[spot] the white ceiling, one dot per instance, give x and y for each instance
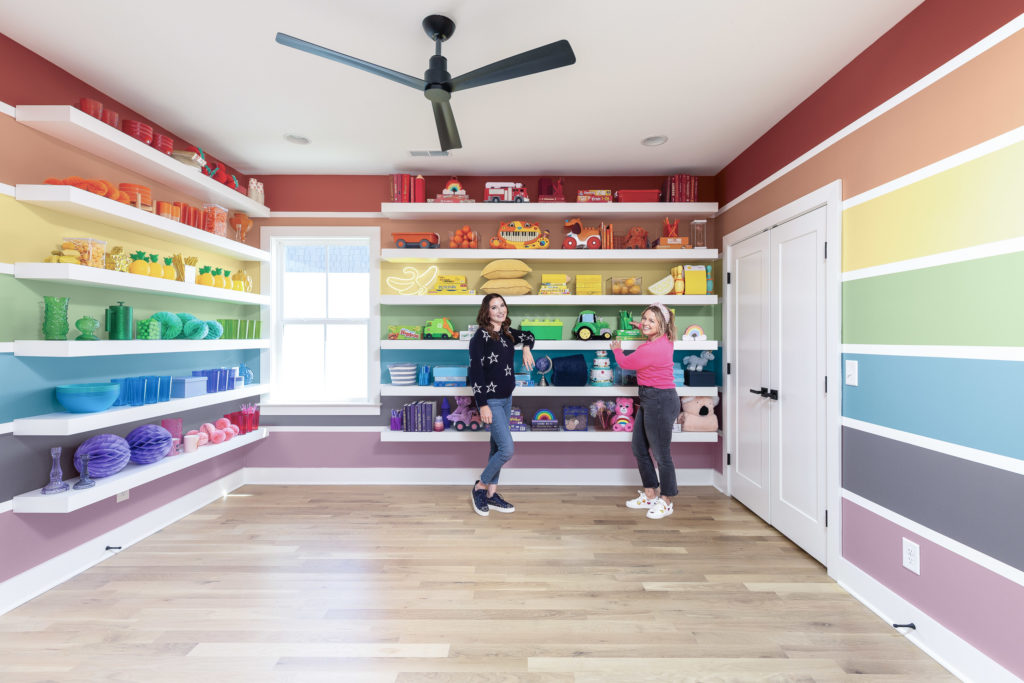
(712, 75)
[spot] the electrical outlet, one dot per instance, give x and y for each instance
(123, 495)
(851, 373)
(911, 556)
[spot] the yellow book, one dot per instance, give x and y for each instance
(695, 279)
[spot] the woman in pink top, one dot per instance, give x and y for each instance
(656, 411)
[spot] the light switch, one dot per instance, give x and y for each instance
(851, 373)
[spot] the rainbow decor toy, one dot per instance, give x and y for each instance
(694, 333)
(544, 421)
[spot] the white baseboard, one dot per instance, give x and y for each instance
(41, 578)
(460, 476)
(961, 659)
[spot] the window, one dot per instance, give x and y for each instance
(324, 317)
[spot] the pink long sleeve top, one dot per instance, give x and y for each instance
(652, 361)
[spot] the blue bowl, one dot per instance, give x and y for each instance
(87, 398)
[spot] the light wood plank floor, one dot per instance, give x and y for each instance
(336, 583)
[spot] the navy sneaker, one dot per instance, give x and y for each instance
(499, 504)
(479, 500)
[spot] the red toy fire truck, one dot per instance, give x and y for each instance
(505, 192)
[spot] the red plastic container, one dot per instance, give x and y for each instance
(91, 107)
(637, 195)
(111, 118)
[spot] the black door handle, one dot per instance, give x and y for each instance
(762, 392)
(774, 394)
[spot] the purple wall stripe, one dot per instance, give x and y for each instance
(365, 449)
(981, 607)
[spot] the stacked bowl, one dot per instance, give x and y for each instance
(163, 143)
(87, 398)
(402, 373)
(138, 130)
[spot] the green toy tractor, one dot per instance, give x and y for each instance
(589, 326)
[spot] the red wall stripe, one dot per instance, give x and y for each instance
(924, 40)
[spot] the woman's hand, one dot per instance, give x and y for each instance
(527, 358)
(615, 344)
(485, 415)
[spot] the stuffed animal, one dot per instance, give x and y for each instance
(623, 415)
(699, 414)
(697, 363)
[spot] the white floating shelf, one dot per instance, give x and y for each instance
(76, 202)
(131, 476)
(6, 269)
(549, 300)
(550, 391)
(111, 279)
(89, 134)
(542, 345)
(499, 210)
(6, 347)
(520, 437)
(110, 347)
(607, 255)
(64, 424)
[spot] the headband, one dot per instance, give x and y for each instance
(664, 311)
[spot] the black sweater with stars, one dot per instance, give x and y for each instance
(491, 364)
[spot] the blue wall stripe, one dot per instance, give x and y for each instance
(971, 402)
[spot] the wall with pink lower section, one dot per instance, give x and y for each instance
(32, 539)
(981, 607)
(365, 449)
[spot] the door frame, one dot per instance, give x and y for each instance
(831, 198)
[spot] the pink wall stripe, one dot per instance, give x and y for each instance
(981, 607)
(365, 449)
(31, 539)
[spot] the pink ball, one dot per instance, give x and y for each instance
(208, 428)
(228, 434)
(234, 429)
(217, 436)
(204, 438)
(222, 423)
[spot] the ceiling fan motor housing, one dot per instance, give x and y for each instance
(438, 80)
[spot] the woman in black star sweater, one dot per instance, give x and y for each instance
(492, 378)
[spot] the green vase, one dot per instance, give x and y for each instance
(55, 318)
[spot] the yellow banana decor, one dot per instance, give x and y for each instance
(412, 282)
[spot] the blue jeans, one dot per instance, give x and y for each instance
(656, 410)
(501, 439)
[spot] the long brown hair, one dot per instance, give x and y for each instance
(483, 317)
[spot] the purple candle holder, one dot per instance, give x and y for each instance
(57, 483)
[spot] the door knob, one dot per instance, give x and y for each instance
(762, 392)
(774, 394)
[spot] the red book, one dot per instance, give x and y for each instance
(419, 189)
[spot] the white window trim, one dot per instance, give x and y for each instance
(267, 275)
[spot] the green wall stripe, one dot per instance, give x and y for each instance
(971, 303)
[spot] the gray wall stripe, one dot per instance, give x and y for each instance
(974, 504)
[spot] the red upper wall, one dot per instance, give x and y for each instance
(935, 32)
(27, 78)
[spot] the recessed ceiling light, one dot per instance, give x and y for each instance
(297, 139)
(654, 140)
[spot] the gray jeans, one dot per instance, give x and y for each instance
(656, 410)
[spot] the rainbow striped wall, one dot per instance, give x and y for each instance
(932, 302)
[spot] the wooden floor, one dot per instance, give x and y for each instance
(332, 583)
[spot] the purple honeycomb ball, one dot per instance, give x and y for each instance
(148, 443)
(108, 454)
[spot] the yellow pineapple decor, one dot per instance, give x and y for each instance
(140, 263)
(170, 272)
(205, 277)
(155, 267)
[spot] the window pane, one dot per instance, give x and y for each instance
(349, 295)
(346, 371)
(301, 364)
(304, 282)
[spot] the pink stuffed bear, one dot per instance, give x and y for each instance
(623, 421)
(699, 414)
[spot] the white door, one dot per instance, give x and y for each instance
(750, 271)
(777, 316)
(798, 375)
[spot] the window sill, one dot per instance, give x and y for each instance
(319, 409)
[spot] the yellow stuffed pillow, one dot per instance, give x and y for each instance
(505, 268)
(506, 286)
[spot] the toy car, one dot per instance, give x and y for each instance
(423, 240)
(439, 328)
(505, 192)
(465, 416)
(589, 326)
(579, 237)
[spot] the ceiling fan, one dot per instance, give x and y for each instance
(437, 84)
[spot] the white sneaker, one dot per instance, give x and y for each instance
(659, 509)
(641, 502)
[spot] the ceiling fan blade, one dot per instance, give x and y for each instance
(313, 49)
(534, 61)
(447, 131)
